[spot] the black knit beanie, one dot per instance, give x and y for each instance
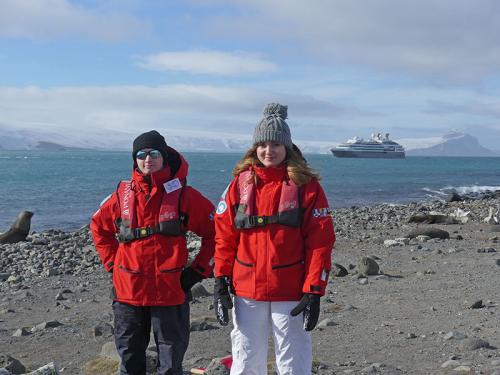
(151, 139)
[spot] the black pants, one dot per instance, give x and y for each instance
(132, 330)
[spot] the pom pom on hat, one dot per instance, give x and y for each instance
(273, 127)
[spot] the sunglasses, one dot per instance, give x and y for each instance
(153, 154)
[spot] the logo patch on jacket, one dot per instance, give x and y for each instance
(172, 185)
(221, 207)
(321, 212)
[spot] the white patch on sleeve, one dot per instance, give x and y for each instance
(324, 275)
(221, 207)
(212, 261)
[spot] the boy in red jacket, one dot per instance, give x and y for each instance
(139, 233)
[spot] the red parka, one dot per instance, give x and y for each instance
(275, 262)
(146, 272)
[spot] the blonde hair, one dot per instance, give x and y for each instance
(297, 168)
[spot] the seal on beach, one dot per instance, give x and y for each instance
(368, 266)
(19, 230)
(427, 231)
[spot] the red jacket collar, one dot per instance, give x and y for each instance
(268, 174)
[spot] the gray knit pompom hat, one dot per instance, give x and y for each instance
(273, 127)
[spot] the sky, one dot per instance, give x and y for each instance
(415, 69)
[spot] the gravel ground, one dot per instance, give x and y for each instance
(431, 309)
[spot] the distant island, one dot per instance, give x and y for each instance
(454, 144)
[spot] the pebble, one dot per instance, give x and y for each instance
(455, 335)
(462, 369)
(450, 363)
(328, 322)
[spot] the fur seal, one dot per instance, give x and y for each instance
(368, 266)
(19, 230)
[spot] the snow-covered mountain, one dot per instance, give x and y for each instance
(454, 143)
(183, 140)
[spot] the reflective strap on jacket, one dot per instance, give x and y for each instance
(289, 210)
(170, 221)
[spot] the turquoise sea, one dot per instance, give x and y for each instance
(64, 188)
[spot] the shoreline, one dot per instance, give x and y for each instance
(414, 316)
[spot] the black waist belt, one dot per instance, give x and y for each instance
(256, 220)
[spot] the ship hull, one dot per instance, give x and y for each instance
(368, 154)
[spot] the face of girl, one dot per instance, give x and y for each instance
(271, 154)
(149, 161)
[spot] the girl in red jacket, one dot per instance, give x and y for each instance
(139, 233)
(274, 239)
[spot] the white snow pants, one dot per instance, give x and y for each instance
(252, 321)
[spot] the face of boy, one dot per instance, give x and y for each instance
(271, 154)
(150, 164)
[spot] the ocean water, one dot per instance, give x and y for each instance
(63, 189)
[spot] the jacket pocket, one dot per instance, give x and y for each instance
(288, 265)
(287, 280)
(129, 270)
(244, 278)
(172, 270)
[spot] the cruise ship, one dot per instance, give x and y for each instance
(376, 147)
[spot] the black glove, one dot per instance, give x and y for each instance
(189, 277)
(222, 300)
(309, 304)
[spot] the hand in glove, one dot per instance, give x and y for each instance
(222, 300)
(189, 277)
(309, 304)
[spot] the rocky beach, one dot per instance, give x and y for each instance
(414, 290)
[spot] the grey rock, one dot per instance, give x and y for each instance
(455, 335)
(477, 304)
(103, 329)
(21, 332)
(363, 281)
(49, 369)
(11, 364)
(4, 276)
(328, 322)
(450, 363)
(339, 270)
(108, 350)
(199, 291)
(45, 325)
(474, 343)
(201, 324)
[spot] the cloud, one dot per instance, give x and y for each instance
(135, 108)
(48, 19)
(208, 62)
(450, 41)
(438, 107)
